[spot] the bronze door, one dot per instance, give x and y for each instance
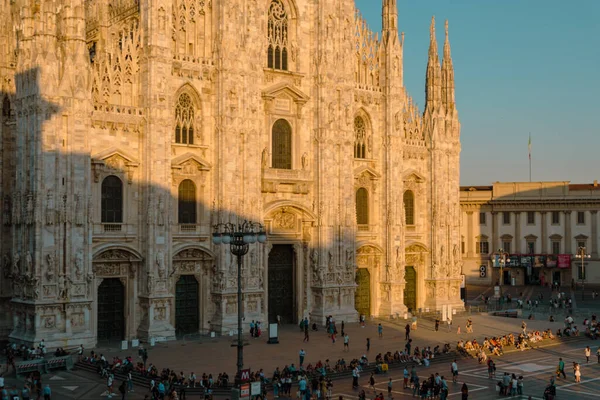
(410, 289)
(111, 310)
(187, 311)
(281, 284)
(362, 298)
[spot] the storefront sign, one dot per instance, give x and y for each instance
(551, 261)
(526, 261)
(539, 261)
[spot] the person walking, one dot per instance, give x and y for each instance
(406, 375)
(437, 324)
(47, 393)
(524, 327)
(416, 385)
(407, 330)
(520, 385)
(389, 386)
(372, 382)
(368, 344)
(464, 391)
(449, 324)
(306, 338)
(588, 353)
(355, 376)
(380, 331)
(561, 369)
(346, 342)
(301, 356)
(598, 354)
(454, 368)
(577, 373)
(123, 389)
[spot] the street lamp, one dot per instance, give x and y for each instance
(581, 253)
(239, 237)
(502, 260)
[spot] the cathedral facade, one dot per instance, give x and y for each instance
(130, 128)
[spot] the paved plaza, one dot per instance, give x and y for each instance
(215, 355)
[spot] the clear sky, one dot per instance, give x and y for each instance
(520, 67)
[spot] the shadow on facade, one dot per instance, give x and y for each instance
(92, 251)
(534, 230)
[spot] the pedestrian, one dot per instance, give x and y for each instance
(406, 375)
(123, 389)
(130, 381)
(513, 385)
(408, 346)
(561, 369)
(355, 376)
(464, 391)
(109, 385)
(301, 356)
(389, 385)
(407, 329)
(454, 368)
(380, 331)
(47, 393)
(437, 324)
(524, 327)
(347, 342)
(80, 353)
(343, 332)
(520, 385)
(577, 373)
(25, 393)
(449, 324)
(372, 382)
(368, 344)
(306, 338)
(588, 353)
(598, 354)
(458, 330)
(415, 383)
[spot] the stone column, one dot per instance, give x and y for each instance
(568, 238)
(594, 215)
(494, 231)
(544, 233)
(517, 232)
(470, 237)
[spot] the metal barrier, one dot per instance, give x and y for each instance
(25, 367)
(65, 362)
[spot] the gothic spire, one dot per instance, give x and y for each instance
(447, 75)
(390, 17)
(433, 78)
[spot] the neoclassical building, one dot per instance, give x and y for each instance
(131, 127)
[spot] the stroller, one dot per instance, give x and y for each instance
(550, 392)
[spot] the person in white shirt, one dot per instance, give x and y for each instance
(588, 353)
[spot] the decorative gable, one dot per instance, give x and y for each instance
(190, 164)
(113, 161)
(413, 176)
(365, 177)
(285, 98)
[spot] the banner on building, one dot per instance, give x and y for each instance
(564, 261)
(551, 261)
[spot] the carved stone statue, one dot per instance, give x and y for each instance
(50, 212)
(50, 267)
(28, 265)
(160, 263)
(90, 210)
(79, 215)
(161, 211)
(6, 211)
(29, 209)
(78, 270)
(330, 262)
(349, 260)
(265, 158)
(6, 265)
(434, 271)
(16, 208)
(305, 161)
(64, 284)
(15, 264)
(149, 280)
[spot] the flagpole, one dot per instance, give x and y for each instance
(529, 149)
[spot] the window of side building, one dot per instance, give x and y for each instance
(530, 247)
(555, 247)
(506, 246)
(580, 217)
(483, 247)
(530, 217)
(506, 218)
(482, 218)
(555, 218)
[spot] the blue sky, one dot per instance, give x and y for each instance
(521, 67)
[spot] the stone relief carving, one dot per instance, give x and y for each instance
(78, 264)
(305, 161)
(160, 220)
(64, 285)
(284, 220)
(28, 265)
(6, 265)
(112, 269)
(149, 282)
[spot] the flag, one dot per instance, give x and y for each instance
(529, 146)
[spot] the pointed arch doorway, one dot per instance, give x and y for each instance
(187, 311)
(362, 298)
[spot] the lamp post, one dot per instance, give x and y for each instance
(502, 260)
(581, 253)
(239, 237)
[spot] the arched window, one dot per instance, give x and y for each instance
(362, 207)
(112, 200)
(184, 120)
(187, 202)
(282, 145)
(360, 138)
(277, 33)
(409, 207)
